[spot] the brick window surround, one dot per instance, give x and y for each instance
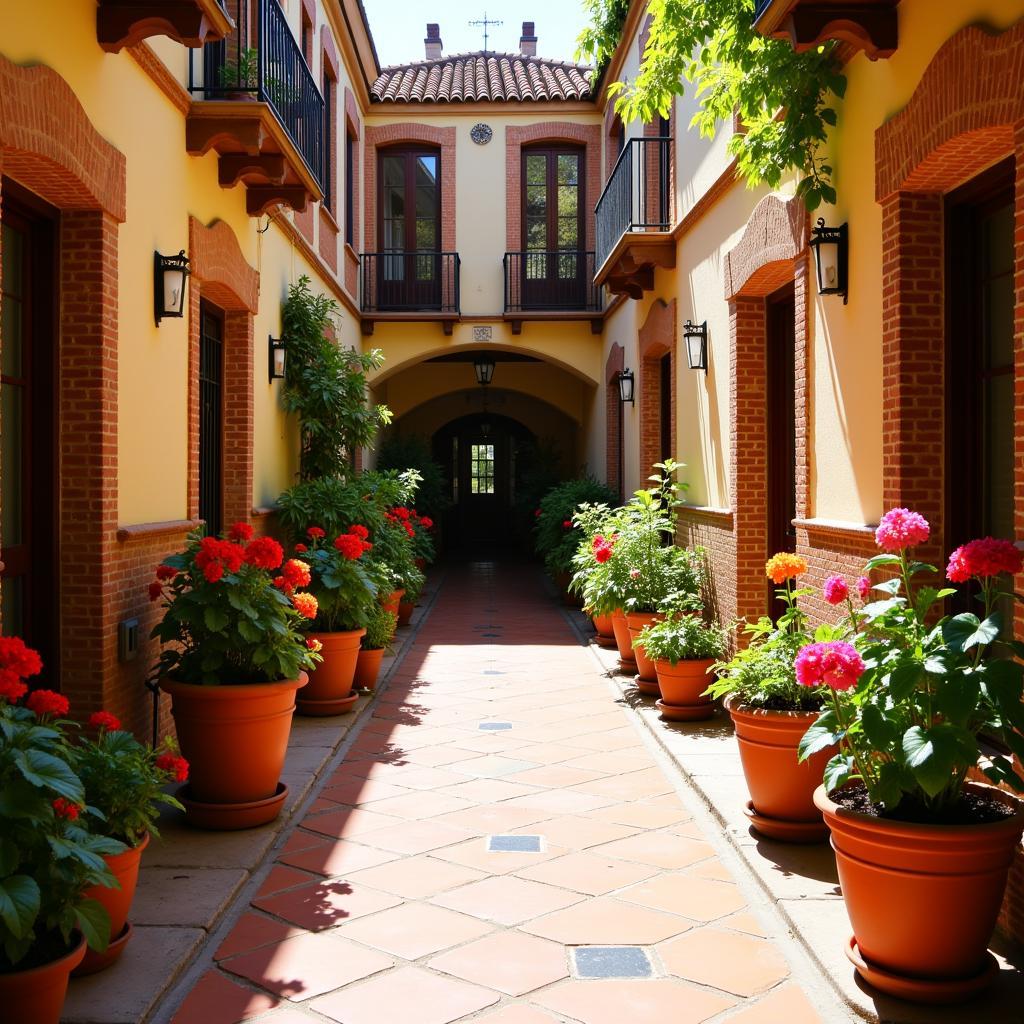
(49, 146)
(330, 214)
(771, 253)
(221, 275)
(613, 411)
(353, 132)
(410, 133)
(518, 136)
(656, 339)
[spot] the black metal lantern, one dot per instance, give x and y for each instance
(831, 247)
(276, 357)
(169, 273)
(626, 386)
(695, 336)
(483, 366)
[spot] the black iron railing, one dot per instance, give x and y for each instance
(261, 60)
(537, 281)
(409, 282)
(637, 196)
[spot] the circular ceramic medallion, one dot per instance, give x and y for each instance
(481, 133)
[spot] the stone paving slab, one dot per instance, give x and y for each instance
(445, 925)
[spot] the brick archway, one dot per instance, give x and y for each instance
(614, 365)
(954, 126)
(771, 253)
(49, 146)
(221, 275)
(655, 340)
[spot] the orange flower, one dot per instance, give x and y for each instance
(305, 605)
(784, 566)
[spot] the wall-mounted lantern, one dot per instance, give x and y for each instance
(695, 336)
(626, 386)
(831, 246)
(483, 367)
(276, 349)
(169, 273)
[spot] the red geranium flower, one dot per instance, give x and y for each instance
(315, 533)
(11, 686)
(166, 572)
(47, 702)
(306, 605)
(240, 532)
(300, 549)
(427, 523)
(296, 573)
(983, 558)
(351, 547)
(173, 765)
(156, 588)
(104, 720)
(359, 531)
(213, 572)
(313, 644)
(265, 553)
(566, 524)
(18, 657)
(66, 809)
(401, 512)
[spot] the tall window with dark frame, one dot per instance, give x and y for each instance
(554, 264)
(350, 168)
(328, 91)
(665, 407)
(211, 417)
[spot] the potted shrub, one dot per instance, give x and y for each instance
(124, 789)
(591, 520)
(422, 541)
(234, 654)
(49, 858)
(922, 851)
(684, 648)
(345, 592)
(601, 583)
(771, 712)
(380, 629)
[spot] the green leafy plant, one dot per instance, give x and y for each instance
(402, 452)
(380, 629)
(344, 585)
(684, 638)
(224, 619)
(242, 73)
(911, 696)
(556, 537)
(325, 385)
(783, 99)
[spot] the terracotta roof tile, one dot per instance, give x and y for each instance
(497, 77)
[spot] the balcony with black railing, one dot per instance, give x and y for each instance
(257, 104)
(868, 25)
(550, 285)
(403, 285)
(121, 23)
(634, 217)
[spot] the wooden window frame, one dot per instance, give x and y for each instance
(409, 152)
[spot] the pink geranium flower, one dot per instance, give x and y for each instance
(835, 590)
(835, 664)
(900, 528)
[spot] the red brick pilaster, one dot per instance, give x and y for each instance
(657, 338)
(238, 415)
(612, 415)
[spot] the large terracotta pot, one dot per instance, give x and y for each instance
(234, 737)
(624, 642)
(329, 691)
(603, 626)
(923, 899)
(391, 602)
(368, 668)
(125, 868)
(635, 621)
(781, 787)
(36, 995)
(682, 686)
(405, 610)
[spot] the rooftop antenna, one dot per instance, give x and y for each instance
(485, 21)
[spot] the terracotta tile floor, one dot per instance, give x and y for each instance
(386, 905)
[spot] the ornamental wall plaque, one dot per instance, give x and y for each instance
(481, 333)
(481, 133)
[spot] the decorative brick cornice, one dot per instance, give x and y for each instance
(217, 261)
(762, 260)
(330, 52)
(960, 117)
(48, 142)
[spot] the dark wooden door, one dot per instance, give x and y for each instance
(409, 267)
(211, 417)
(554, 265)
(29, 523)
(780, 313)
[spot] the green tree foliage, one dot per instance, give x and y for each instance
(783, 98)
(406, 451)
(326, 386)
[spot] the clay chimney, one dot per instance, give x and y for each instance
(433, 42)
(528, 40)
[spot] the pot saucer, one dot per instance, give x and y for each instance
(922, 990)
(647, 688)
(604, 641)
(684, 712)
(323, 708)
(232, 817)
(94, 962)
(786, 831)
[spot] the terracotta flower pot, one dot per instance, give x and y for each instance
(36, 995)
(923, 899)
(234, 737)
(329, 691)
(603, 625)
(781, 787)
(368, 668)
(682, 686)
(125, 868)
(391, 602)
(635, 622)
(624, 642)
(405, 610)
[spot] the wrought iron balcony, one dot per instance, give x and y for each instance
(634, 217)
(550, 281)
(401, 285)
(260, 108)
